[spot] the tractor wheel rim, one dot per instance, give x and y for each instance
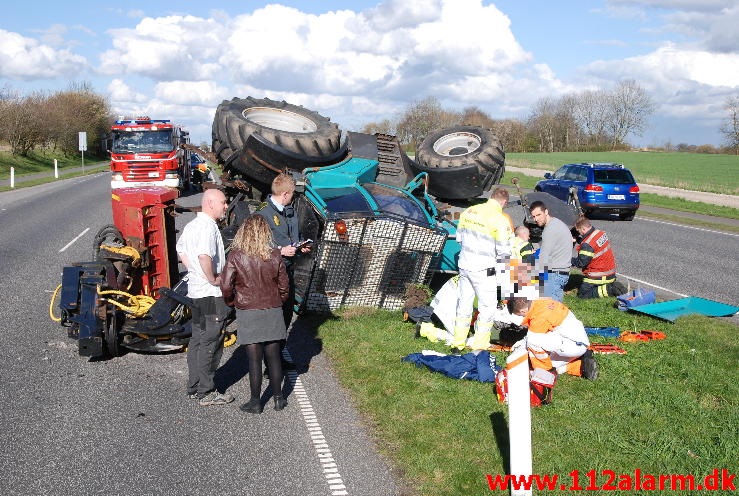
(280, 120)
(456, 144)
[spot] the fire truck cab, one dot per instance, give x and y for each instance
(147, 152)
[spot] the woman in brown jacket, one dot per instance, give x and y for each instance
(255, 282)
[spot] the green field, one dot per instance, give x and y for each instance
(701, 172)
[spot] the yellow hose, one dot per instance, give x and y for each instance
(51, 305)
(128, 251)
(138, 305)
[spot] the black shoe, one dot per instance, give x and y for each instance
(280, 403)
(588, 366)
(254, 405)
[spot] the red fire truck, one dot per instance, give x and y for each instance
(148, 152)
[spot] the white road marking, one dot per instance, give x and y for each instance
(328, 464)
(75, 239)
(652, 285)
(689, 227)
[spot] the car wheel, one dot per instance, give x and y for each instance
(462, 162)
(627, 216)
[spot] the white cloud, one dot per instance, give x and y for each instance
(122, 94)
(198, 93)
(165, 48)
(25, 58)
(683, 83)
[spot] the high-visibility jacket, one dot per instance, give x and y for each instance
(522, 250)
(595, 256)
(484, 233)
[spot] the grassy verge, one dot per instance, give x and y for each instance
(92, 169)
(39, 162)
(667, 406)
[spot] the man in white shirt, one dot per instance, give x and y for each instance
(201, 250)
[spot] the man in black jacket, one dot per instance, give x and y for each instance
(283, 221)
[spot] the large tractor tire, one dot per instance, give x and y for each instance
(295, 132)
(462, 162)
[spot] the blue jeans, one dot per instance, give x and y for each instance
(554, 285)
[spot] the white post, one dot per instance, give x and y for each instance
(519, 418)
(12, 177)
(56, 170)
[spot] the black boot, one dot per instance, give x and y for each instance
(254, 405)
(280, 402)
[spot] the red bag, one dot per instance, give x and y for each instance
(541, 386)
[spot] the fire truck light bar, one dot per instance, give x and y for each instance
(141, 121)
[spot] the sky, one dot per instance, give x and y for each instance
(365, 61)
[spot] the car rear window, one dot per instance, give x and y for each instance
(613, 176)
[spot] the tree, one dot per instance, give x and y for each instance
(418, 120)
(383, 127)
(512, 134)
(77, 109)
(628, 112)
(21, 121)
(730, 127)
(473, 116)
(590, 112)
(542, 123)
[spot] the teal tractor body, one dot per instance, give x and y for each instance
(372, 238)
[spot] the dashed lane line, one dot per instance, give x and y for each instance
(320, 445)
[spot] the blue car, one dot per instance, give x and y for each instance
(601, 187)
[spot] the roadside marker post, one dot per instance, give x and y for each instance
(83, 147)
(56, 169)
(519, 418)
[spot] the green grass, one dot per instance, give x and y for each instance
(40, 162)
(667, 406)
(702, 172)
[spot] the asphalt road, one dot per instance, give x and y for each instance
(124, 426)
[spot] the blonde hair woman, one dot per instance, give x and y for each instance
(255, 282)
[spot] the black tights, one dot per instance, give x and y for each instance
(270, 352)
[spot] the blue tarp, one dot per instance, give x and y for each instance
(606, 332)
(475, 366)
(671, 310)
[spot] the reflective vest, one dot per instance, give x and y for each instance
(597, 246)
(522, 250)
(484, 233)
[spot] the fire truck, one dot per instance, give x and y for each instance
(148, 152)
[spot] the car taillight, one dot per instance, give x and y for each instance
(634, 189)
(593, 187)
